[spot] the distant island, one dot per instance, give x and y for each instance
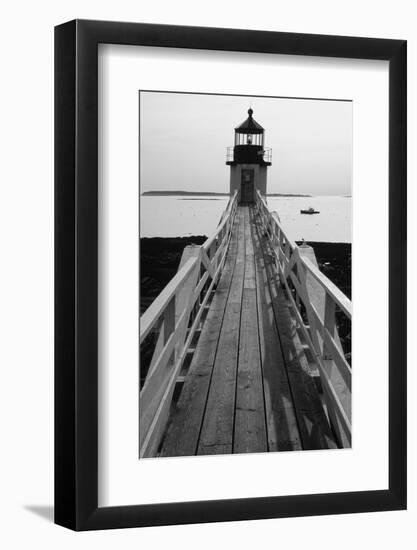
(170, 193)
(209, 194)
(285, 195)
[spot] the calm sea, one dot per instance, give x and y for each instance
(175, 216)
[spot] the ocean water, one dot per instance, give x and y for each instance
(178, 216)
(333, 224)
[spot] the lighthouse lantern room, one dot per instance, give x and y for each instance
(248, 160)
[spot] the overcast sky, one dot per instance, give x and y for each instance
(183, 141)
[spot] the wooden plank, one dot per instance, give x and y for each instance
(249, 428)
(183, 432)
(311, 420)
(217, 430)
(281, 421)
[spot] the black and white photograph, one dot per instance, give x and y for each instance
(208, 236)
(245, 274)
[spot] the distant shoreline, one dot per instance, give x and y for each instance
(207, 194)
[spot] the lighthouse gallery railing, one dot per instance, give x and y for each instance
(173, 319)
(265, 153)
(305, 284)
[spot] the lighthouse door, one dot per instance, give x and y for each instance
(247, 186)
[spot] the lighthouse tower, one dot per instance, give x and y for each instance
(248, 160)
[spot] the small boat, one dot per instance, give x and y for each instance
(309, 211)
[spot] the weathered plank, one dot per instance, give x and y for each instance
(312, 423)
(281, 421)
(217, 430)
(249, 429)
(183, 432)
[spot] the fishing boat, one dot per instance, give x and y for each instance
(309, 211)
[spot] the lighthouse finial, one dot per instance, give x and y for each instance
(250, 112)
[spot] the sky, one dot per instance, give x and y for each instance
(183, 141)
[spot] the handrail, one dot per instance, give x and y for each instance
(338, 296)
(266, 153)
(223, 220)
(158, 306)
(320, 331)
(173, 318)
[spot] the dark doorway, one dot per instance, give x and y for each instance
(247, 186)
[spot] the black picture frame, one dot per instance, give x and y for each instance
(76, 272)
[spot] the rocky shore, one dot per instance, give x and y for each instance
(159, 261)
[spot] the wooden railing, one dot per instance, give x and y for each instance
(314, 300)
(172, 320)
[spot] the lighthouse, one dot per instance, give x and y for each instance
(248, 160)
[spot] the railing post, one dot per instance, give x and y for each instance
(169, 319)
(329, 324)
(287, 250)
(169, 324)
(276, 230)
(212, 250)
(281, 249)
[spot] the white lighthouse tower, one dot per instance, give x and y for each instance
(248, 160)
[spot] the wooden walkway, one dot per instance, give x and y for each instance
(249, 386)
